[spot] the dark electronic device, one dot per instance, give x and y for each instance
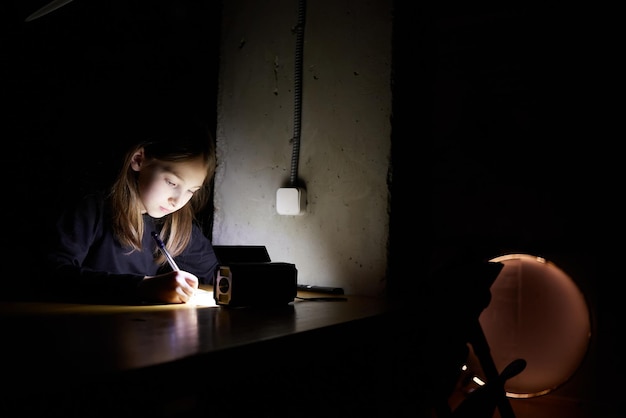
(246, 276)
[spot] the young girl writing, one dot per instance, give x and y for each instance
(102, 249)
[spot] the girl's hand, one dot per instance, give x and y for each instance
(173, 287)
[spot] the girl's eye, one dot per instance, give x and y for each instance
(170, 183)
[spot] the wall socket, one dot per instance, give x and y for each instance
(291, 201)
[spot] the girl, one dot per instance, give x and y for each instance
(102, 249)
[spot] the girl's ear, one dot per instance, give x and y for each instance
(137, 159)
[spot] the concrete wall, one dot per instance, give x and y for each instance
(341, 239)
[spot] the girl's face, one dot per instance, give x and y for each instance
(165, 187)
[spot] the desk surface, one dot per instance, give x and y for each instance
(96, 339)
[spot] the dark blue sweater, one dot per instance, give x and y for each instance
(85, 261)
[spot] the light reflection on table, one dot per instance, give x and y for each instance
(93, 339)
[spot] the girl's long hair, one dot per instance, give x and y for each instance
(126, 205)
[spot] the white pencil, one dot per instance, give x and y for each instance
(166, 253)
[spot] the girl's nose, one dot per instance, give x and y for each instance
(174, 200)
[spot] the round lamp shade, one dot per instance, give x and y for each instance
(537, 313)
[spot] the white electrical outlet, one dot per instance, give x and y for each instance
(290, 201)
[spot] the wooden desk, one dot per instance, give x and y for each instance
(140, 359)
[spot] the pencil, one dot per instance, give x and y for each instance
(166, 253)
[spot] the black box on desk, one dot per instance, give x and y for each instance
(247, 277)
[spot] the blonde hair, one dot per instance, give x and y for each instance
(127, 218)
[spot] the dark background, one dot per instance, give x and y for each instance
(504, 138)
(96, 73)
